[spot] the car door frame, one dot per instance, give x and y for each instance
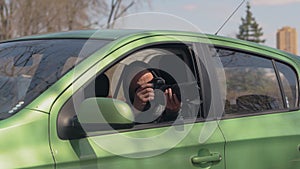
(63, 150)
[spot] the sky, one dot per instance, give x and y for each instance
(207, 16)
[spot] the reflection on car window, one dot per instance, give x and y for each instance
(27, 68)
(289, 84)
(252, 84)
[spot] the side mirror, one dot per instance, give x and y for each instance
(94, 116)
(102, 114)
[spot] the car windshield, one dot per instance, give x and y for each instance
(27, 68)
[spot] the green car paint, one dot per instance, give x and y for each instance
(30, 139)
(259, 135)
(25, 141)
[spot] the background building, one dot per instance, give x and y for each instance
(287, 39)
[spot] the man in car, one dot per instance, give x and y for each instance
(152, 104)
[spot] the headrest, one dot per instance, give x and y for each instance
(101, 86)
(256, 103)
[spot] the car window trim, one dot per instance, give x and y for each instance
(279, 81)
(268, 112)
(297, 79)
(203, 81)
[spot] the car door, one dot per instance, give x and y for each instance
(260, 124)
(189, 141)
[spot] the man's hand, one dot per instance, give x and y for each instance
(143, 95)
(173, 104)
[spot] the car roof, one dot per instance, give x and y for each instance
(85, 34)
(114, 34)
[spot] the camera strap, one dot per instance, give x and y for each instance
(153, 73)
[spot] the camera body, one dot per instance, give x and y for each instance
(160, 84)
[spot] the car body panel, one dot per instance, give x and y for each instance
(264, 141)
(24, 141)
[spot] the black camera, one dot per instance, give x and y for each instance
(184, 91)
(160, 83)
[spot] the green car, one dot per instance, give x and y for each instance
(76, 100)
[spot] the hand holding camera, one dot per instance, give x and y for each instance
(145, 87)
(171, 93)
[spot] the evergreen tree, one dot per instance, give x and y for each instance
(249, 29)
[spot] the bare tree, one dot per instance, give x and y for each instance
(28, 17)
(6, 16)
(111, 10)
(117, 9)
(38, 16)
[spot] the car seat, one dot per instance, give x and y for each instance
(256, 103)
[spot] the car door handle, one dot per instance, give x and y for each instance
(214, 157)
(205, 158)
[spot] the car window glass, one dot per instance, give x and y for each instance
(252, 85)
(289, 84)
(27, 68)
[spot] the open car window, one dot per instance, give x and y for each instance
(173, 64)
